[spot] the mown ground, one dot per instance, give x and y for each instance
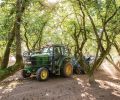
(57, 88)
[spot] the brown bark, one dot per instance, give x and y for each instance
(26, 38)
(39, 39)
(91, 79)
(17, 33)
(100, 49)
(79, 45)
(5, 59)
(20, 7)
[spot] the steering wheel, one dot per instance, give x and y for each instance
(26, 54)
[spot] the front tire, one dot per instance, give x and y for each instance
(42, 74)
(67, 70)
(25, 74)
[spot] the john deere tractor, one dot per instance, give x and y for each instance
(52, 59)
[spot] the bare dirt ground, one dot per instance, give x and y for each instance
(57, 88)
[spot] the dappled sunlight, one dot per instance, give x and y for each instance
(86, 94)
(79, 81)
(110, 85)
(85, 87)
(1, 87)
(103, 84)
(117, 93)
(10, 87)
(53, 49)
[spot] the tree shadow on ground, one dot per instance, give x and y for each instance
(58, 88)
(106, 88)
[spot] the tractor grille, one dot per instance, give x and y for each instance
(33, 61)
(40, 61)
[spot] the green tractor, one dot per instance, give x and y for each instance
(52, 59)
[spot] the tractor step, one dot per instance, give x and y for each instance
(57, 71)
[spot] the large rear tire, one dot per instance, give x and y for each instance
(67, 70)
(42, 74)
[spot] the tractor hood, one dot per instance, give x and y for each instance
(40, 55)
(40, 59)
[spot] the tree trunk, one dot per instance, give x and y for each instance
(19, 59)
(5, 59)
(15, 32)
(21, 4)
(91, 79)
(26, 38)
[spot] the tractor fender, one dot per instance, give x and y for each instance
(28, 69)
(63, 60)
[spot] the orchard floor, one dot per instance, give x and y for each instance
(77, 87)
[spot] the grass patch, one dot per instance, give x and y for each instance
(9, 71)
(4, 73)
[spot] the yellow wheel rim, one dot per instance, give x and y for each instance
(68, 69)
(44, 74)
